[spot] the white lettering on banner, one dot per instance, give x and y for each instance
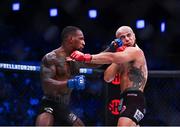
(19, 67)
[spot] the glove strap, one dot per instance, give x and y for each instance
(120, 49)
(88, 58)
(71, 83)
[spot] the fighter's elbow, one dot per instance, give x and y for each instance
(107, 79)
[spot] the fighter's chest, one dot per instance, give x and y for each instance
(66, 68)
(62, 67)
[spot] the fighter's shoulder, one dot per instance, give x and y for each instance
(135, 48)
(135, 51)
(49, 58)
(51, 55)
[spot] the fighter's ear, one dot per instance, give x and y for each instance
(70, 39)
(134, 37)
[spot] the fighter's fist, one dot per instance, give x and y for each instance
(78, 82)
(79, 56)
(115, 44)
(120, 49)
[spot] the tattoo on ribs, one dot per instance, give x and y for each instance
(136, 76)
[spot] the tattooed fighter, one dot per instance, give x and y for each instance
(130, 62)
(58, 79)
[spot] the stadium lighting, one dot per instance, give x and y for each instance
(140, 24)
(53, 12)
(92, 13)
(163, 27)
(16, 6)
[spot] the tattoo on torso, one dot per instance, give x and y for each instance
(136, 76)
(62, 67)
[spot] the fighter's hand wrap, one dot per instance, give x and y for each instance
(115, 44)
(78, 82)
(79, 56)
(120, 49)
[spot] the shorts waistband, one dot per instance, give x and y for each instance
(131, 90)
(58, 99)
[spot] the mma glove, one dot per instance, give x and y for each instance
(115, 44)
(79, 56)
(78, 82)
(120, 49)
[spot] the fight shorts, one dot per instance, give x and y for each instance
(60, 111)
(132, 105)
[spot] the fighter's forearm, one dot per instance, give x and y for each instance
(110, 72)
(103, 58)
(55, 83)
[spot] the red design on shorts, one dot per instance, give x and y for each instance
(113, 106)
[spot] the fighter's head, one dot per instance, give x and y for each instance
(73, 37)
(126, 34)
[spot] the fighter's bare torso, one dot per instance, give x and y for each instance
(54, 69)
(134, 74)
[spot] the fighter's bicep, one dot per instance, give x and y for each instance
(48, 68)
(125, 56)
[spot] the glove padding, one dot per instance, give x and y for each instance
(79, 56)
(78, 82)
(120, 49)
(115, 44)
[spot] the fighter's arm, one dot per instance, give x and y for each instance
(48, 73)
(128, 55)
(110, 72)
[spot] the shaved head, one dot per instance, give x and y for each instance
(127, 36)
(123, 29)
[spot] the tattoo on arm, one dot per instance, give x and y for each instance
(46, 72)
(137, 77)
(47, 68)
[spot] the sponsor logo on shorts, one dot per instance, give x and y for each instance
(48, 109)
(113, 106)
(138, 115)
(72, 117)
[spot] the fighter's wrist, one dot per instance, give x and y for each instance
(87, 58)
(71, 83)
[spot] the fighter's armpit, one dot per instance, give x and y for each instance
(48, 72)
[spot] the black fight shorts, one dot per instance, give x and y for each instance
(60, 111)
(132, 105)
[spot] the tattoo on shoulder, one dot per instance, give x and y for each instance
(49, 58)
(137, 77)
(48, 66)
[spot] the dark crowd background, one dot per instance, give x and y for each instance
(27, 35)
